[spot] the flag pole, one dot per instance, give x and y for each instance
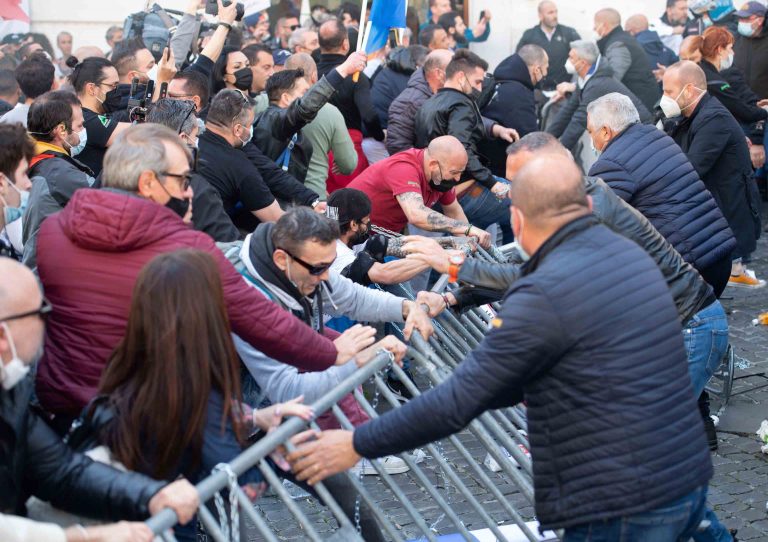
(361, 32)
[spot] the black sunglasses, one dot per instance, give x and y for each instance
(314, 270)
(43, 312)
(186, 176)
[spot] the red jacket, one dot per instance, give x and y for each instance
(89, 256)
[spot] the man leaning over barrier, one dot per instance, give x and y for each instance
(580, 352)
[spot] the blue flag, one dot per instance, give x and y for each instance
(385, 14)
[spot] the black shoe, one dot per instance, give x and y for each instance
(398, 388)
(709, 429)
(733, 534)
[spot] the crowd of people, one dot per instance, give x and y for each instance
(188, 238)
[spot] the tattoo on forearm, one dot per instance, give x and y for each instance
(395, 247)
(435, 221)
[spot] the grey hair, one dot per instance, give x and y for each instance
(586, 50)
(301, 224)
(138, 149)
(615, 111)
(532, 55)
(297, 37)
(178, 115)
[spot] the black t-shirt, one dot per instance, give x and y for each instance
(208, 214)
(99, 128)
(237, 180)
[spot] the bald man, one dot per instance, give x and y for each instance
(626, 57)
(401, 131)
(555, 39)
(404, 187)
(581, 352)
(35, 460)
(659, 55)
(715, 144)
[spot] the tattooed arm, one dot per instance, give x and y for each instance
(425, 218)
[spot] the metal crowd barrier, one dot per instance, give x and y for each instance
(500, 434)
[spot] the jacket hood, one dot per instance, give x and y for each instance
(513, 68)
(650, 41)
(115, 221)
(401, 60)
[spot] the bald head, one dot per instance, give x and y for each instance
(690, 49)
(687, 73)
(333, 37)
(545, 5)
(636, 24)
(303, 61)
(529, 146)
(445, 158)
(549, 191)
(608, 18)
(444, 147)
(437, 60)
(18, 289)
(88, 51)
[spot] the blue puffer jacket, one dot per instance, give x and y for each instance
(647, 169)
(613, 423)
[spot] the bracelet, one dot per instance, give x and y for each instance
(469, 228)
(445, 300)
(226, 25)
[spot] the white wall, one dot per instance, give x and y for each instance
(88, 20)
(512, 17)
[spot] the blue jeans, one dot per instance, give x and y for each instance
(485, 209)
(706, 341)
(675, 521)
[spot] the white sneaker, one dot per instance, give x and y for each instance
(392, 465)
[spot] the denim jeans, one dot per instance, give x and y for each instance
(675, 521)
(486, 209)
(706, 341)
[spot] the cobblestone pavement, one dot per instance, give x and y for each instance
(738, 491)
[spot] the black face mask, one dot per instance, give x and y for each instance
(361, 236)
(243, 79)
(444, 186)
(112, 101)
(178, 206)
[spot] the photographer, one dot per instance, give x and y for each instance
(95, 81)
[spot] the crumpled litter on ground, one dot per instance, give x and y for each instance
(762, 433)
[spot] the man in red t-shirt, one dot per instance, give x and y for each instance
(404, 187)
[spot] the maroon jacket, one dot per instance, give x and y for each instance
(89, 256)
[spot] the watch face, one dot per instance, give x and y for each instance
(456, 259)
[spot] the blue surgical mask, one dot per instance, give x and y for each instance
(11, 214)
(77, 149)
(745, 29)
(250, 137)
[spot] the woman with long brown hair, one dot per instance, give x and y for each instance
(172, 385)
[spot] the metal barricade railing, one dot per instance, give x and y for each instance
(500, 434)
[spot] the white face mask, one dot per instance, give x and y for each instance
(594, 149)
(596, 36)
(569, 67)
(727, 62)
(152, 73)
(518, 241)
(671, 108)
(13, 372)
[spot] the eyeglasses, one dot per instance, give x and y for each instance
(314, 270)
(187, 178)
(111, 86)
(43, 312)
(191, 106)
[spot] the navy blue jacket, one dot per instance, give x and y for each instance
(648, 170)
(714, 143)
(655, 50)
(581, 352)
(512, 105)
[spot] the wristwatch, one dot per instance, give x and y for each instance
(454, 263)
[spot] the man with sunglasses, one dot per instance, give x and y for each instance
(90, 254)
(33, 460)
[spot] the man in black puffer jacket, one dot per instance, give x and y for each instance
(581, 356)
(647, 169)
(401, 131)
(34, 461)
(393, 78)
(513, 102)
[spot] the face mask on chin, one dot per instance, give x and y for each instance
(13, 372)
(360, 236)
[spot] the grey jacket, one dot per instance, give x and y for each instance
(688, 289)
(54, 180)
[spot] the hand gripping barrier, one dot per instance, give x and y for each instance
(453, 476)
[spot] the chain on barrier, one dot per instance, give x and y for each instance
(492, 488)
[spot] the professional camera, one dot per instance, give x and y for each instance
(212, 8)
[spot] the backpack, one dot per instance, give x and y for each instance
(153, 27)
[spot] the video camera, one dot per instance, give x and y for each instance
(138, 107)
(212, 8)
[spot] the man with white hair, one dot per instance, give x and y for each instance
(303, 40)
(595, 79)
